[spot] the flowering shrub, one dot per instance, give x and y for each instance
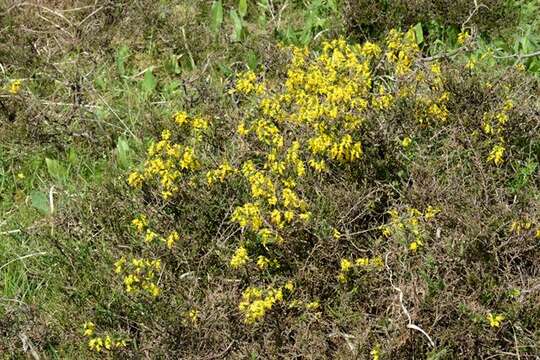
(269, 184)
(312, 124)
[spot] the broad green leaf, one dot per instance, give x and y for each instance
(419, 33)
(56, 170)
(242, 8)
(40, 201)
(237, 25)
(252, 60)
(149, 83)
(225, 70)
(123, 153)
(216, 16)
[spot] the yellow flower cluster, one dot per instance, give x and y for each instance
(14, 87)
(257, 302)
(347, 266)
(169, 161)
(292, 133)
(432, 105)
(239, 258)
(463, 37)
(141, 226)
(401, 50)
(494, 126)
(139, 274)
(101, 343)
(246, 84)
(494, 320)
(193, 316)
(409, 225)
(219, 174)
(519, 227)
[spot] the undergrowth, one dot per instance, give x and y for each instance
(271, 179)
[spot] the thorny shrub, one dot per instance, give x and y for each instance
(296, 189)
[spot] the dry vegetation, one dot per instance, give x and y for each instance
(272, 179)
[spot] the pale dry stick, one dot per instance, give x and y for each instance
(78, 9)
(444, 55)
(271, 9)
(9, 232)
(14, 300)
(476, 8)
(150, 68)
(21, 258)
(27, 346)
(347, 338)
(55, 25)
(281, 13)
(410, 325)
(516, 343)
(90, 15)
(363, 231)
(519, 56)
(51, 199)
(41, 7)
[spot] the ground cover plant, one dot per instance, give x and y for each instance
(272, 179)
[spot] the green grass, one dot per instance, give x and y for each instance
(101, 80)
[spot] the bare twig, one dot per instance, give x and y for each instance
(520, 56)
(410, 325)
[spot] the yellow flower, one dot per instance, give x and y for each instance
(150, 236)
(239, 258)
(193, 316)
(262, 262)
(140, 223)
(108, 342)
(89, 328)
(312, 305)
(289, 286)
(463, 37)
(135, 180)
(406, 142)
(172, 239)
(495, 321)
(181, 118)
(377, 261)
(375, 353)
(96, 344)
(15, 87)
(346, 265)
(496, 155)
(431, 212)
(362, 262)
(119, 265)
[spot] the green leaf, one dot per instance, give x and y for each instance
(149, 83)
(123, 153)
(419, 33)
(237, 25)
(56, 170)
(242, 8)
(216, 16)
(121, 56)
(252, 60)
(225, 70)
(40, 201)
